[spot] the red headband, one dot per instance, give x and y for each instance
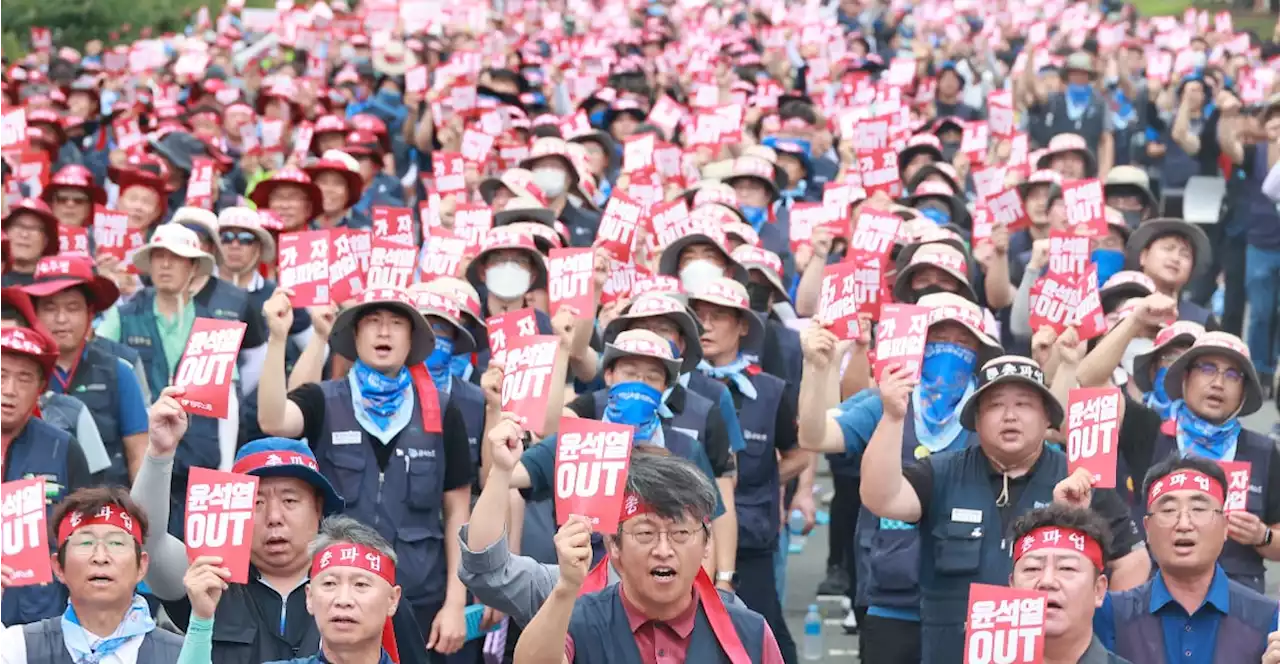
(632, 507)
(350, 554)
(262, 460)
(1055, 537)
(1185, 478)
(110, 515)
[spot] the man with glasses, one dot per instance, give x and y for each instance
(1211, 386)
(72, 193)
(1190, 611)
(99, 533)
(31, 231)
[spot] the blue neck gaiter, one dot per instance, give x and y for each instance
(439, 363)
(1079, 93)
(944, 376)
(1108, 261)
(756, 216)
(1203, 438)
(636, 404)
(1157, 399)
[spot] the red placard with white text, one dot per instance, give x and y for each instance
(72, 239)
(1238, 474)
(304, 267)
(1068, 254)
(617, 234)
(207, 364)
(571, 280)
(1089, 319)
(1053, 302)
(974, 141)
(200, 184)
(1007, 209)
(1085, 213)
(671, 221)
(470, 222)
(13, 130)
(25, 535)
(391, 264)
(394, 224)
(450, 169)
(1093, 433)
(346, 272)
(529, 366)
(592, 458)
(845, 286)
(219, 518)
(879, 169)
(110, 231)
(504, 329)
(874, 232)
(1004, 625)
(637, 152)
(900, 338)
(442, 257)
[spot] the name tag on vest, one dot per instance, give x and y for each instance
(138, 341)
(347, 437)
(753, 435)
(962, 515)
(93, 387)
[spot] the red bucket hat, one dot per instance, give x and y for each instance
(55, 274)
(74, 176)
(38, 208)
(287, 177)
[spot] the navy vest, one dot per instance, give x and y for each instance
(403, 501)
(1242, 563)
(243, 635)
(891, 548)
(602, 633)
(1190, 311)
(124, 352)
(224, 302)
(782, 356)
(1242, 633)
(94, 384)
(756, 496)
(199, 447)
(1263, 213)
(691, 421)
(1091, 125)
(45, 644)
(962, 541)
(469, 400)
(1177, 167)
(39, 451)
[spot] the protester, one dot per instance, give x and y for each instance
(32, 232)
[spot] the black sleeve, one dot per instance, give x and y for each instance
(1271, 511)
(413, 648)
(920, 476)
(717, 444)
(179, 611)
(457, 450)
(78, 475)
(310, 400)
(584, 405)
(785, 435)
(1138, 433)
(1250, 158)
(1124, 532)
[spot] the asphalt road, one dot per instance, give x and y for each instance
(807, 568)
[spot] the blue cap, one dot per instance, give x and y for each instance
(285, 457)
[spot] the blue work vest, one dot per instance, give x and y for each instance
(785, 342)
(1263, 213)
(1190, 311)
(756, 497)
(1242, 633)
(384, 658)
(469, 400)
(403, 501)
(602, 633)
(39, 451)
(1242, 563)
(690, 421)
(45, 644)
(962, 541)
(1177, 167)
(199, 446)
(1055, 120)
(891, 548)
(95, 385)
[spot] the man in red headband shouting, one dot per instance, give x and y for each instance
(665, 603)
(352, 594)
(99, 534)
(1060, 550)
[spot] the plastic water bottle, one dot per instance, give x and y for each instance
(796, 522)
(813, 651)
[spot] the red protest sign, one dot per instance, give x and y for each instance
(591, 471)
(470, 222)
(671, 221)
(25, 535)
(1004, 625)
(476, 146)
(200, 184)
(1007, 209)
(346, 274)
(974, 141)
(219, 519)
(390, 264)
(110, 230)
(988, 181)
(1238, 473)
(1089, 319)
(206, 366)
(394, 224)
(879, 169)
(443, 254)
(846, 287)
(622, 277)
(450, 169)
(874, 233)
(571, 280)
(900, 338)
(13, 128)
(526, 382)
(617, 234)
(504, 329)
(983, 227)
(304, 267)
(1093, 433)
(637, 152)
(871, 135)
(1053, 302)
(73, 239)
(1085, 213)
(1000, 119)
(1068, 254)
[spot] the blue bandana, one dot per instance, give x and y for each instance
(1157, 399)
(1109, 262)
(636, 404)
(137, 622)
(1202, 438)
(756, 216)
(945, 376)
(460, 366)
(439, 363)
(735, 371)
(381, 397)
(936, 216)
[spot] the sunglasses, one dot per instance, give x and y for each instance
(239, 237)
(70, 199)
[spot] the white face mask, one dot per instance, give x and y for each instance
(1134, 348)
(507, 281)
(552, 181)
(696, 275)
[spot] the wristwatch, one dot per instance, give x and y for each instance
(1266, 539)
(725, 576)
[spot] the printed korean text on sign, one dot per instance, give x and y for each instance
(591, 471)
(25, 535)
(206, 366)
(1004, 625)
(1093, 433)
(219, 518)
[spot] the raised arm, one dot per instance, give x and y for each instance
(277, 415)
(884, 489)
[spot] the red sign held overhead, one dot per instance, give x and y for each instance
(200, 184)
(73, 239)
(1068, 254)
(571, 280)
(304, 267)
(874, 233)
(637, 152)
(526, 383)
(1053, 302)
(671, 221)
(394, 224)
(390, 264)
(206, 366)
(1093, 433)
(1004, 625)
(617, 233)
(346, 273)
(591, 471)
(879, 169)
(1086, 215)
(974, 141)
(1089, 319)
(450, 169)
(110, 231)
(442, 256)
(505, 329)
(1007, 209)
(219, 519)
(1238, 473)
(900, 338)
(24, 533)
(848, 289)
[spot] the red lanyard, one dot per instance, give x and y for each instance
(65, 383)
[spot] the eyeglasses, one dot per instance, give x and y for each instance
(1210, 371)
(1168, 516)
(84, 545)
(241, 237)
(649, 536)
(70, 199)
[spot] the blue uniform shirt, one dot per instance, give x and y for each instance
(133, 408)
